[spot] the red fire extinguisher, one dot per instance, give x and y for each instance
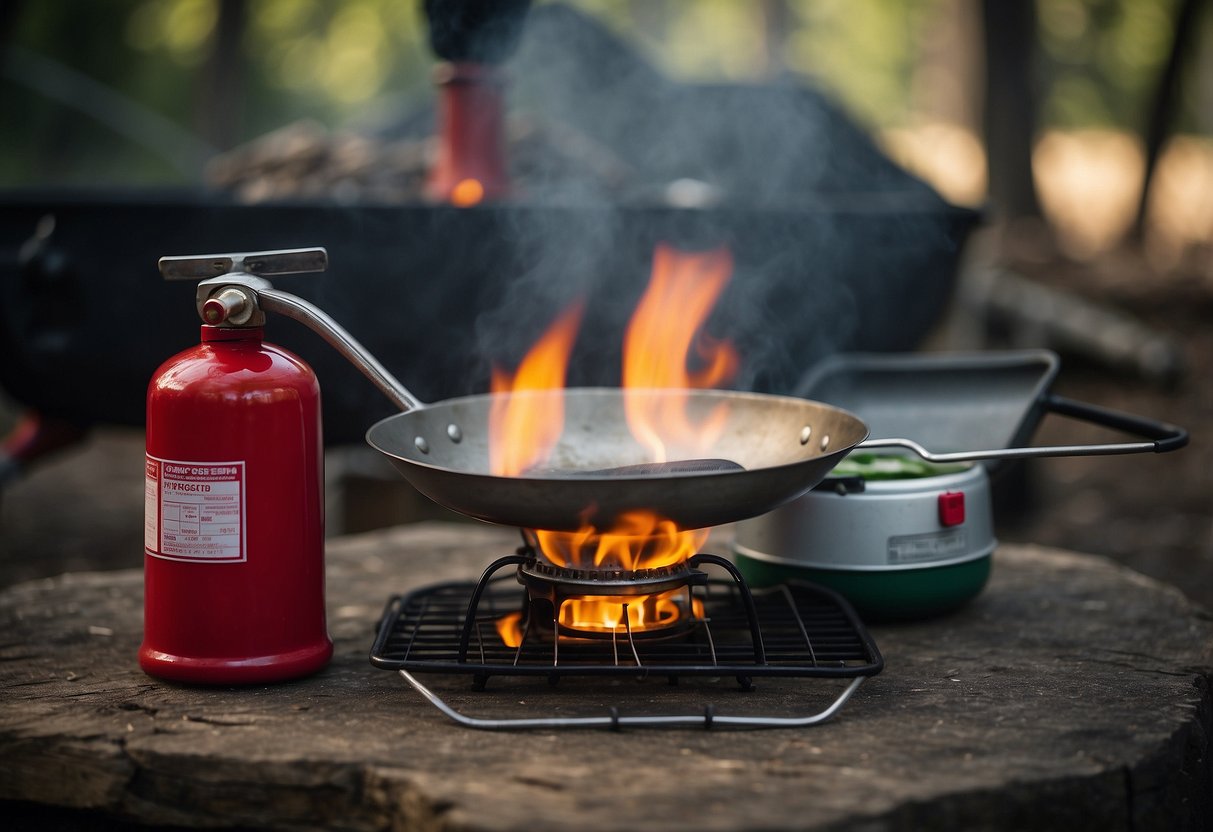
(234, 518)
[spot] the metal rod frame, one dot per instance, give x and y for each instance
(616, 721)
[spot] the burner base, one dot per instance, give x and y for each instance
(803, 630)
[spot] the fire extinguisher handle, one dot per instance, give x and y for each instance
(317, 320)
(257, 263)
(235, 285)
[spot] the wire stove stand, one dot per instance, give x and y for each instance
(791, 630)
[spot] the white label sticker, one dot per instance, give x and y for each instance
(194, 511)
(151, 504)
(924, 548)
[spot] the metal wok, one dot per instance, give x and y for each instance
(772, 449)
(592, 476)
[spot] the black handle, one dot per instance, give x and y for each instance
(1167, 437)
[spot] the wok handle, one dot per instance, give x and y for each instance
(317, 320)
(1167, 437)
(1163, 436)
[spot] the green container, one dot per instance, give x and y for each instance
(901, 595)
(910, 544)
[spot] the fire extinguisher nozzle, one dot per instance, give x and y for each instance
(231, 306)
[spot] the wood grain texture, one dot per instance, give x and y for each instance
(1071, 694)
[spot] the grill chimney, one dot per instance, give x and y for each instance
(472, 37)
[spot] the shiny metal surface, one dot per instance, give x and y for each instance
(260, 263)
(762, 435)
(317, 320)
(970, 407)
(889, 526)
(616, 721)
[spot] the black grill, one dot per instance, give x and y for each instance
(806, 630)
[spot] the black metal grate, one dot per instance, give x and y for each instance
(806, 630)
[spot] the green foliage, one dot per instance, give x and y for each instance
(864, 52)
(1101, 59)
(337, 61)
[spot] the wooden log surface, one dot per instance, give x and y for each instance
(1071, 694)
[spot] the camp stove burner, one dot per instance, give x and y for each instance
(539, 573)
(791, 630)
(650, 603)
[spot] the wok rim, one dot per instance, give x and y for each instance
(617, 392)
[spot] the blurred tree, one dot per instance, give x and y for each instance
(1009, 37)
(80, 106)
(219, 114)
(1165, 104)
(126, 81)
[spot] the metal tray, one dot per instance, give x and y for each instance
(948, 402)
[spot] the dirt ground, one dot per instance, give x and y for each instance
(1154, 513)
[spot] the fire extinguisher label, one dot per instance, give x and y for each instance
(194, 511)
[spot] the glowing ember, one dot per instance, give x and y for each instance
(661, 338)
(466, 193)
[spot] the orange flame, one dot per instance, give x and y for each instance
(605, 614)
(523, 430)
(639, 540)
(660, 339)
(681, 293)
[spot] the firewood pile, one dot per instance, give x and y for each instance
(307, 161)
